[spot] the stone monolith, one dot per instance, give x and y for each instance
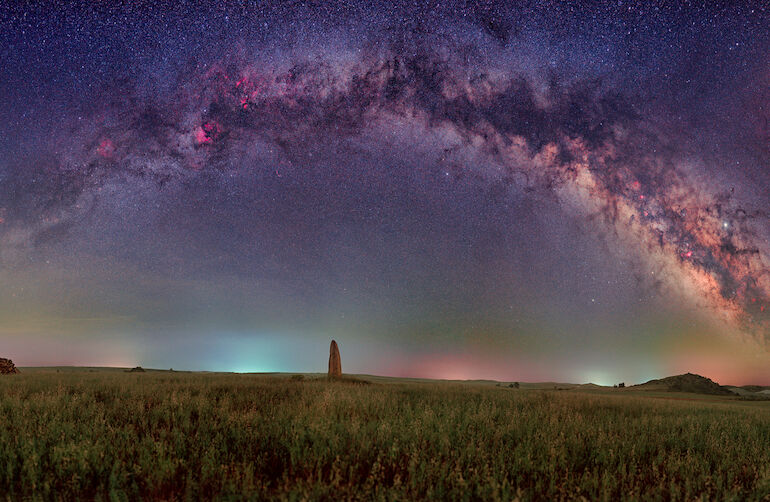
(335, 364)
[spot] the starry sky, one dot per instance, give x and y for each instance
(522, 191)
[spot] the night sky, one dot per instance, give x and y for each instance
(522, 192)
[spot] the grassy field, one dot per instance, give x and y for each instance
(175, 436)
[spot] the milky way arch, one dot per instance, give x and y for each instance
(552, 134)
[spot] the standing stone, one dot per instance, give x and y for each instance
(335, 364)
(7, 367)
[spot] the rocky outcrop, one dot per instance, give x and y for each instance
(335, 364)
(7, 367)
(688, 382)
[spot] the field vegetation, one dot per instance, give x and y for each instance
(176, 436)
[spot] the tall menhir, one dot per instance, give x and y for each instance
(335, 364)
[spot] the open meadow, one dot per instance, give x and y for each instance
(107, 434)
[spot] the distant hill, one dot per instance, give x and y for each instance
(688, 382)
(753, 392)
(755, 388)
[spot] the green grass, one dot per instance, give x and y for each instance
(160, 435)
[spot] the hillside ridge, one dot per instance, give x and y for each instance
(687, 382)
